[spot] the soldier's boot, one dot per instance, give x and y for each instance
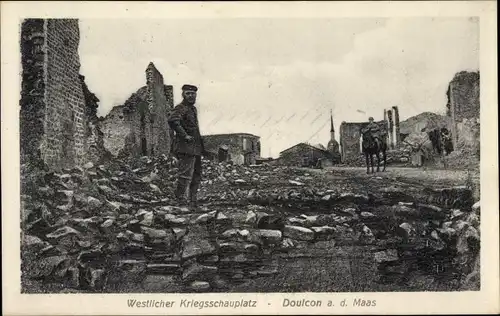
(180, 191)
(193, 196)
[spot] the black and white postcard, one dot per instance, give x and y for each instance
(249, 158)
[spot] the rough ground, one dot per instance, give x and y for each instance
(113, 228)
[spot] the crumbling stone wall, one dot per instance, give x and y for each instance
(121, 126)
(350, 135)
(53, 114)
(95, 138)
(463, 108)
(159, 105)
(397, 129)
(392, 126)
(139, 127)
(32, 103)
(463, 96)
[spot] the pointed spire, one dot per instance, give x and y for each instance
(331, 122)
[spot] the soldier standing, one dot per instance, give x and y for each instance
(188, 145)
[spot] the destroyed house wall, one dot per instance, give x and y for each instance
(241, 146)
(139, 126)
(53, 109)
(95, 137)
(64, 97)
(463, 109)
(122, 128)
(463, 96)
(160, 102)
(350, 135)
(32, 102)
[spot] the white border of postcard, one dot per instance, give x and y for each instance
(14, 303)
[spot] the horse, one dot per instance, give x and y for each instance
(372, 147)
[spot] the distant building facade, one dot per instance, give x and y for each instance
(304, 155)
(240, 148)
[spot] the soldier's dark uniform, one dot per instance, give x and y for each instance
(184, 121)
(375, 130)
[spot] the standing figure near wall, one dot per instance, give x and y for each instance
(188, 146)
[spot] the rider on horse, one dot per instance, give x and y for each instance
(374, 130)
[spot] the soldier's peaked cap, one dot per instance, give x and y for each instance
(188, 87)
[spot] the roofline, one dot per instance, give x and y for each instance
(303, 144)
(357, 123)
(231, 134)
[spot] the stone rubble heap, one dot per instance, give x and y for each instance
(103, 228)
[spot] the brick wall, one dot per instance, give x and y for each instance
(64, 99)
(55, 119)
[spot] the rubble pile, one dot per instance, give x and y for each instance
(428, 243)
(80, 223)
(114, 227)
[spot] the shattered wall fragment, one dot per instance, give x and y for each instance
(139, 126)
(463, 109)
(55, 112)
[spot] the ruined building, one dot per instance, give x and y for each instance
(463, 109)
(241, 148)
(392, 126)
(58, 121)
(350, 136)
(305, 155)
(94, 136)
(139, 127)
(333, 145)
(350, 141)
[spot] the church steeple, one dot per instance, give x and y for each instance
(333, 145)
(332, 130)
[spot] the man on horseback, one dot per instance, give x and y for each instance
(374, 143)
(374, 130)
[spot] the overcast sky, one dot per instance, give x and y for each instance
(279, 78)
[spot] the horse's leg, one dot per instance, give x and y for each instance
(371, 161)
(385, 157)
(378, 160)
(367, 163)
